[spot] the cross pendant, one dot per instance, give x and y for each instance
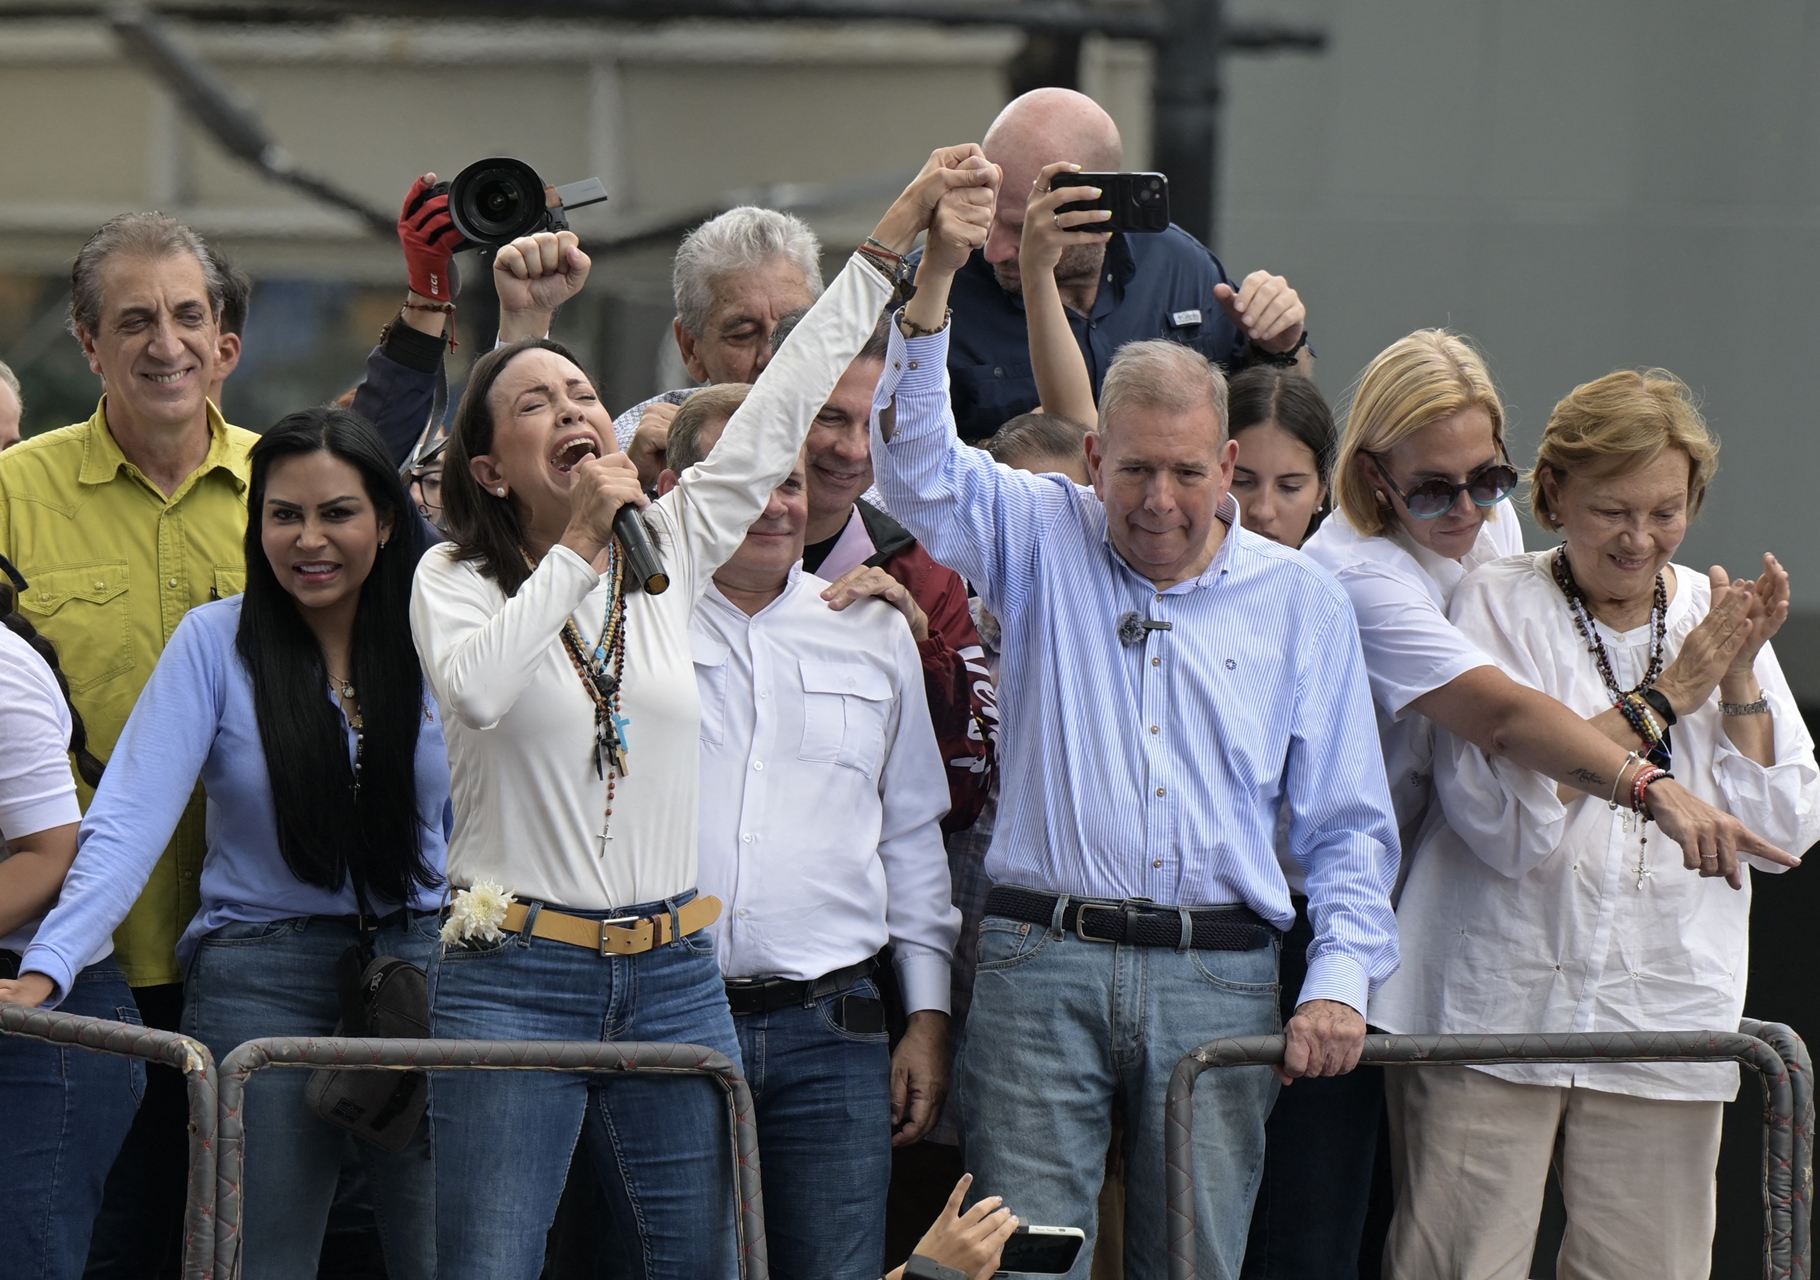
(1643, 873)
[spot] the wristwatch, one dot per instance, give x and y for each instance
(922, 1268)
(1281, 359)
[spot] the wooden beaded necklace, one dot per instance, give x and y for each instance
(601, 670)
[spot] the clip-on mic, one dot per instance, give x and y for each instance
(1134, 629)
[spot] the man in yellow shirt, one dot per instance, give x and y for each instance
(120, 525)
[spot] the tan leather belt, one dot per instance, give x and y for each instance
(616, 936)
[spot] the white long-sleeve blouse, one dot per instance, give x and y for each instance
(1524, 912)
(529, 807)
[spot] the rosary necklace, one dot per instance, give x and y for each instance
(601, 667)
(356, 722)
(1623, 699)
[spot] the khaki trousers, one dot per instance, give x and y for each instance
(1470, 1156)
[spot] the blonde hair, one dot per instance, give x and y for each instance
(1160, 374)
(717, 403)
(1619, 424)
(1430, 375)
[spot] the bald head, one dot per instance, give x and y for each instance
(1046, 125)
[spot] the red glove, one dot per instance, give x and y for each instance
(428, 237)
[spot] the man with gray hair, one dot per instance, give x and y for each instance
(12, 407)
(1170, 683)
(122, 524)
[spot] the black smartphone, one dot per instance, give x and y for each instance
(1139, 201)
(1041, 1251)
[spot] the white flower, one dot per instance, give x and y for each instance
(476, 914)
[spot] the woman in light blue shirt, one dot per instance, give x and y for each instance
(301, 708)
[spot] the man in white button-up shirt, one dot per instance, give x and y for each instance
(821, 804)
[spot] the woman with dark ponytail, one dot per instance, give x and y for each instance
(301, 707)
(51, 1172)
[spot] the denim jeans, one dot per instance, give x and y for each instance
(1059, 1029)
(278, 979)
(824, 1137)
(660, 1145)
(1320, 1149)
(66, 1113)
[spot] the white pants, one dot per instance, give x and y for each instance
(1470, 1156)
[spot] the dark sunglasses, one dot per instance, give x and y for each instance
(1433, 499)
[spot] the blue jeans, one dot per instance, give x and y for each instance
(67, 1112)
(278, 979)
(660, 1145)
(824, 1137)
(1059, 1030)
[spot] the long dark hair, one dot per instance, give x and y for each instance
(10, 585)
(326, 830)
(1265, 393)
(484, 526)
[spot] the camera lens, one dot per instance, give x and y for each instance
(493, 202)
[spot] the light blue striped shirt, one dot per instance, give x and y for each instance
(1157, 770)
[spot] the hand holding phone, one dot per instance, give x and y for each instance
(1138, 201)
(1041, 1251)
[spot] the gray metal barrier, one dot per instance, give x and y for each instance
(129, 1040)
(1793, 1052)
(481, 1055)
(1785, 1182)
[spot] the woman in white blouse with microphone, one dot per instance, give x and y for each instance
(1538, 908)
(572, 714)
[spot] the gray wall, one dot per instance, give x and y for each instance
(1580, 187)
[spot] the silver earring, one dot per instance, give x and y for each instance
(382, 543)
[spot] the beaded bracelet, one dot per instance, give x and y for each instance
(1638, 721)
(1644, 780)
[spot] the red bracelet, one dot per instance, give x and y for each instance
(1640, 784)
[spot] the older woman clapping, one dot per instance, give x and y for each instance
(1538, 908)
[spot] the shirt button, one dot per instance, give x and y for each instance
(1159, 597)
(101, 586)
(1153, 729)
(758, 764)
(173, 584)
(742, 913)
(746, 838)
(764, 693)
(1160, 791)
(1156, 662)
(998, 373)
(915, 364)
(1157, 863)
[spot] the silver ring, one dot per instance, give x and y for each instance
(1058, 222)
(1709, 857)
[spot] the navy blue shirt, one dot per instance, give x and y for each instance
(1153, 286)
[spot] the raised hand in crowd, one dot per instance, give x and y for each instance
(534, 275)
(867, 580)
(970, 1242)
(430, 241)
(959, 225)
(1266, 308)
(1062, 381)
(948, 169)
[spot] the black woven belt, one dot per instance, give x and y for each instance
(1135, 921)
(767, 995)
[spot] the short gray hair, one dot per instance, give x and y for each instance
(738, 240)
(1160, 374)
(143, 235)
(11, 379)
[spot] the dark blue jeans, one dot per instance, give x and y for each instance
(1319, 1147)
(660, 1145)
(66, 1113)
(824, 1137)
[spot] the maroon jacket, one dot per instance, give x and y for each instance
(961, 700)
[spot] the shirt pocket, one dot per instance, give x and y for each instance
(82, 609)
(230, 580)
(710, 657)
(986, 396)
(845, 708)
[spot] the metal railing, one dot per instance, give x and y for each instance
(1788, 1107)
(349, 1054)
(192, 1058)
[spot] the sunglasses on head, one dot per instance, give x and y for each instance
(1433, 499)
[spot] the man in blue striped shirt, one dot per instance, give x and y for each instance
(1170, 685)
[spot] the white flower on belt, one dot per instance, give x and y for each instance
(476, 913)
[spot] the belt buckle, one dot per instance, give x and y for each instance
(1080, 920)
(615, 922)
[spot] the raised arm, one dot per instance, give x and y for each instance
(1063, 384)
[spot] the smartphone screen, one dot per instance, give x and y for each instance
(1043, 1251)
(1139, 201)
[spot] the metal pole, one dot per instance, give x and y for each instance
(1186, 95)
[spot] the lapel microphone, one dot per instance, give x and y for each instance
(1134, 629)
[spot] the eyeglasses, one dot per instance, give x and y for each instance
(1433, 499)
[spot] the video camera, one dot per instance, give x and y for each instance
(493, 202)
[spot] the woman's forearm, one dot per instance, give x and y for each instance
(1528, 728)
(1062, 384)
(32, 877)
(1755, 735)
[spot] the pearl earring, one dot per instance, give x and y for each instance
(501, 491)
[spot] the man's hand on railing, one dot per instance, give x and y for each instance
(1324, 1039)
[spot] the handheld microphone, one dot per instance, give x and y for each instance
(1134, 629)
(641, 557)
